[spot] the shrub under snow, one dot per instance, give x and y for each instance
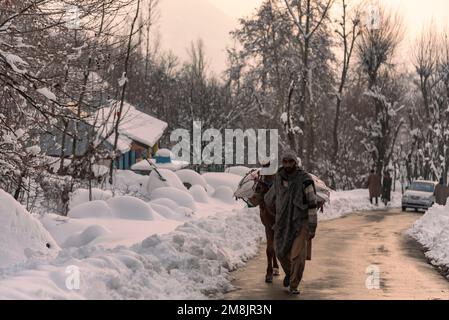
(182, 198)
(191, 177)
(172, 180)
(81, 196)
(199, 194)
(94, 209)
(131, 208)
(218, 179)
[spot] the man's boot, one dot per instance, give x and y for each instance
(294, 291)
(287, 281)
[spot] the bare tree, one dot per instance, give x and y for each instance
(348, 31)
(376, 48)
(307, 16)
(123, 83)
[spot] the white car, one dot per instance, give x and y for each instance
(419, 195)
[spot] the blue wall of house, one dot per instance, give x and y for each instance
(126, 160)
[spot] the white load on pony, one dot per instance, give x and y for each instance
(247, 188)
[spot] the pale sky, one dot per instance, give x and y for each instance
(187, 20)
(236, 8)
(416, 12)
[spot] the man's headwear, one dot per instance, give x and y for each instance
(289, 155)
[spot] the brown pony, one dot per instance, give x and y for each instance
(268, 220)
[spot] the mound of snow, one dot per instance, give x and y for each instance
(218, 179)
(131, 208)
(87, 236)
(432, 231)
(238, 170)
(180, 212)
(192, 262)
(22, 236)
(210, 190)
(164, 153)
(182, 198)
(172, 180)
(164, 211)
(94, 209)
(169, 203)
(81, 196)
(345, 202)
(199, 194)
(129, 182)
(224, 194)
(191, 177)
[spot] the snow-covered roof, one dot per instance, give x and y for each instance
(134, 125)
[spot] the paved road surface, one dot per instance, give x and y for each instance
(342, 252)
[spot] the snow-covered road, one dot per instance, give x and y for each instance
(343, 252)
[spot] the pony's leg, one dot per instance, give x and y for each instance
(272, 251)
(271, 257)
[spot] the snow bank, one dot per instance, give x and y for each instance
(172, 180)
(131, 208)
(432, 231)
(87, 236)
(192, 262)
(218, 179)
(346, 202)
(182, 198)
(224, 194)
(191, 177)
(129, 182)
(180, 212)
(164, 211)
(199, 194)
(122, 207)
(81, 196)
(94, 209)
(22, 236)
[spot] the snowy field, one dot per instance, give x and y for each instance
(163, 242)
(432, 231)
(345, 202)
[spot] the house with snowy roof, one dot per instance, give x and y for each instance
(139, 134)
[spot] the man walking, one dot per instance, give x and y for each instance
(293, 200)
(374, 186)
(386, 188)
(441, 193)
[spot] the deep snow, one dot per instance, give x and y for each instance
(172, 243)
(346, 202)
(432, 232)
(22, 236)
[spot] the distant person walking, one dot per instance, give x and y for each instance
(441, 193)
(386, 188)
(293, 199)
(374, 186)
